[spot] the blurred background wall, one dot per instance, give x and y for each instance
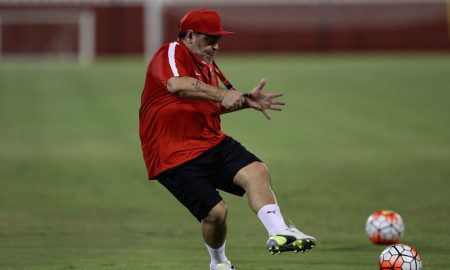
(86, 29)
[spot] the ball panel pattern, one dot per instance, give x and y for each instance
(384, 227)
(400, 257)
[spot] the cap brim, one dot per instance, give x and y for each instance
(220, 33)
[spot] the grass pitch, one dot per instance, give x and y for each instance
(359, 133)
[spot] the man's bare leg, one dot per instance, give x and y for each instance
(254, 178)
(214, 226)
(214, 230)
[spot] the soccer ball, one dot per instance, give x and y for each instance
(384, 227)
(400, 257)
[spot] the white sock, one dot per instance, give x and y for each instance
(217, 255)
(271, 217)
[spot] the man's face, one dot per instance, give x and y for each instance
(205, 46)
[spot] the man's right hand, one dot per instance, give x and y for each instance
(232, 100)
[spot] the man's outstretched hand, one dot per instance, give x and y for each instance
(262, 101)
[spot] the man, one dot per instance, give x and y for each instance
(185, 149)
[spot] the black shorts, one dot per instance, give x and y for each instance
(195, 182)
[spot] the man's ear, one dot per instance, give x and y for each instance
(190, 34)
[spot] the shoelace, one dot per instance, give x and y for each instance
(291, 227)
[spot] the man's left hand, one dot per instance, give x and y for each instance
(261, 101)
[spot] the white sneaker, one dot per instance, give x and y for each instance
(223, 266)
(290, 240)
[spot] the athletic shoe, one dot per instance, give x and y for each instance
(290, 240)
(223, 266)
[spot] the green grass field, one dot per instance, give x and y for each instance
(359, 133)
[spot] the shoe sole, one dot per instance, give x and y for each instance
(299, 245)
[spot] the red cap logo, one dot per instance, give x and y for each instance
(203, 21)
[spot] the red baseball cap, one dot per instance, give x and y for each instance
(203, 21)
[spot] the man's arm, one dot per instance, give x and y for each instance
(191, 88)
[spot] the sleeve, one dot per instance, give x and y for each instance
(178, 60)
(174, 62)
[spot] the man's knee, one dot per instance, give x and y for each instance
(262, 171)
(218, 214)
(255, 173)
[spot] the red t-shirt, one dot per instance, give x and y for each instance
(174, 130)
